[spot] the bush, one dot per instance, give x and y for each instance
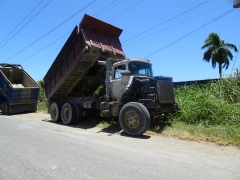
(41, 92)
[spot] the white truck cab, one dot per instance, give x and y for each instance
(123, 73)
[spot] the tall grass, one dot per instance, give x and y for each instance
(42, 107)
(212, 110)
(211, 104)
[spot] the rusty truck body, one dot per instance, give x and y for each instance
(92, 58)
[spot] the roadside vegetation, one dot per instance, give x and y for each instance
(42, 106)
(209, 112)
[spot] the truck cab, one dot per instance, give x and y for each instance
(133, 80)
(125, 71)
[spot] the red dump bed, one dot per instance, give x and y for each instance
(74, 72)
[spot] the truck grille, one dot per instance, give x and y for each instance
(165, 91)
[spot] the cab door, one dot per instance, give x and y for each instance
(117, 87)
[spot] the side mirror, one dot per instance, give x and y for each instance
(125, 73)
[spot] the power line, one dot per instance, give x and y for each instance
(62, 36)
(14, 55)
(105, 8)
(22, 60)
(111, 8)
(100, 14)
(126, 10)
(190, 33)
(68, 33)
(168, 20)
(28, 57)
(95, 14)
(175, 25)
(25, 24)
(43, 56)
(21, 22)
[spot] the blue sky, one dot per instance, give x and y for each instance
(169, 33)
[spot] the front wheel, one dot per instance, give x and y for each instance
(134, 118)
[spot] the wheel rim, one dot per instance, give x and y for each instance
(54, 112)
(66, 114)
(132, 119)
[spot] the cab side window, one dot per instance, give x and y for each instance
(118, 70)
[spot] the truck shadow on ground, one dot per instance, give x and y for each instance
(77, 125)
(112, 127)
(122, 133)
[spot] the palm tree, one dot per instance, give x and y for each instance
(218, 52)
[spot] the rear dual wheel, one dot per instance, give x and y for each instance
(55, 111)
(79, 112)
(69, 113)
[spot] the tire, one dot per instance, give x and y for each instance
(55, 112)
(3, 108)
(134, 118)
(11, 110)
(79, 111)
(68, 114)
(6, 109)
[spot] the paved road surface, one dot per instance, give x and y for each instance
(32, 147)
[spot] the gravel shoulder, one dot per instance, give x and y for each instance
(36, 116)
(41, 116)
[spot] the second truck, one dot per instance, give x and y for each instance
(91, 75)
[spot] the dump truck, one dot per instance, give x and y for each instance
(92, 76)
(18, 91)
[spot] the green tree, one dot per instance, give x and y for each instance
(218, 52)
(41, 93)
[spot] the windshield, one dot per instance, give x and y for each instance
(140, 68)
